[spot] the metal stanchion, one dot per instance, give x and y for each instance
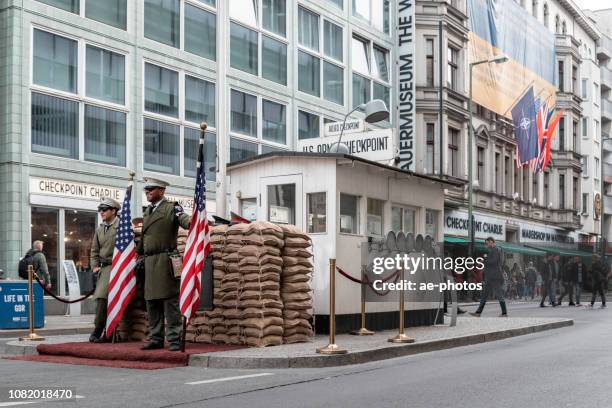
(332, 347)
(401, 337)
(363, 331)
(32, 336)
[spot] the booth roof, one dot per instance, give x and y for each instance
(452, 181)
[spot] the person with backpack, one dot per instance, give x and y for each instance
(493, 278)
(531, 277)
(548, 272)
(36, 258)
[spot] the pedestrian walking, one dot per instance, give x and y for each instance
(599, 275)
(570, 278)
(531, 276)
(493, 278)
(580, 275)
(547, 271)
(37, 259)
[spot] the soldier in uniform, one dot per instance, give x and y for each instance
(102, 249)
(158, 241)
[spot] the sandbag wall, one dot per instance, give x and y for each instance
(262, 294)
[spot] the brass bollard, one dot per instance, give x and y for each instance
(363, 331)
(332, 347)
(401, 337)
(32, 336)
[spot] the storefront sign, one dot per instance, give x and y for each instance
(84, 191)
(351, 126)
(456, 223)
(541, 234)
(74, 289)
(375, 145)
(406, 89)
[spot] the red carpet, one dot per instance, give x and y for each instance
(119, 355)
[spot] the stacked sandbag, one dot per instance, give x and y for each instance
(260, 303)
(231, 285)
(296, 292)
(217, 240)
(133, 325)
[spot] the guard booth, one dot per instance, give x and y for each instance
(341, 200)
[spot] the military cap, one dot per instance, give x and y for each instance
(152, 183)
(107, 202)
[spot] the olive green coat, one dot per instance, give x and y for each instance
(102, 247)
(159, 231)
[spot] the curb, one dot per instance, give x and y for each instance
(6, 334)
(320, 361)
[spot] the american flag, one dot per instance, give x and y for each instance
(122, 283)
(197, 246)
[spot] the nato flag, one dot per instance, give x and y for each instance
(525, 127)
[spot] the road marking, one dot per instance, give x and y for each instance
(15, 403)
(239, 377)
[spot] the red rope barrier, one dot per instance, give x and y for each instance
(48, 292)
(394, 276)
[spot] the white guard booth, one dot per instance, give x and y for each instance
(341, 200)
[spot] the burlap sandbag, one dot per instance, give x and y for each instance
(299, 330)
(262, 304)
(258, 277)
(232, 277)
(291, 231)
(190, 337)
(292, 323)
(219, 329)
(203, 338)
(264, 341)
(220, 338)
(254, 250)
(296, 260)
(295, 296)
(296, 243)
(297, 269)
(298, 305)
(255, 312)
(237, 229)
(218, 265)
(297, 338)
(297, 314)
(296, 278)
(260, 323)
(266, 331)
(230, 314)
(231, 257)
(265, 227)
(260, 294)
(291, 287)
(298, 252)
(263, 268)
(259, 286)
(260, 240)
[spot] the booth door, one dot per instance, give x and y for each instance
(282, 200)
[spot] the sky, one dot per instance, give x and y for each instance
(593, 4)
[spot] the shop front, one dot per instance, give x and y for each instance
(341, 201)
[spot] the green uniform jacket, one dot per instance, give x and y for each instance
(159, 231)
(39, 264)
(102, 249)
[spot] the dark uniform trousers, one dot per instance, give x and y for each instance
(100, 318)
(157, 309)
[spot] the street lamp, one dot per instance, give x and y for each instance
(375, 111)
(499, 59)
(602, 195)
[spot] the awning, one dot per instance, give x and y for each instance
(506, 246)
(448, 239)
(561, 251)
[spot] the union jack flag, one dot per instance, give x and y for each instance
(122, 284)
(197, 246)
(547, 122)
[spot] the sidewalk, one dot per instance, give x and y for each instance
(56, 325)
(469, 330)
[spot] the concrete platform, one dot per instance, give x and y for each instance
(469, 330)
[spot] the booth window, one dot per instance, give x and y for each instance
(349, 214)
(431, 223)
(375, 217)
(402, 219)
(281, 204)
(317, 212)
(248, 208)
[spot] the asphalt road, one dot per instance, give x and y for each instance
(568, 367)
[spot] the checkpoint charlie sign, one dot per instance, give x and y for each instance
(456, 223)
(375, 145)
(71, 189)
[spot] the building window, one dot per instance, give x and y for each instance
(561, 191)
(105, 75)
(574, 79)
(338, 3)
(429, 62)
(595, 129)
(162, 23)
(564, 28)
(508, 176)
(430, 153)
(68, 5)
(244, 49)
(560, 76)
(161, 90)
(349, 214)
(517, 180)
(199, 101)
(452, 79)
(584, 164)
(320, 68)
(317, 213)
(562, 134)
(370, 72)
(597, 168)
(431, 223)
(308, 125)
(96, 110)
(375, 217)
(248, 208)
(585, 203)
(575, 145)
(244, 122)
(536, 190)
(453, 152)
(546, 15)
(498, 174)
(274, 60)
(596, 95)
(525, 183)
(111, 12)
(375, 12)
(481, 167)
(190, 153)
(534, 8)
(546, 189)
(585, 127)
(161, 145)
(584, 87)
(281, 204)
(55, 61)
(575, 195)
(275, 16)
(557, 25)
(403, 219)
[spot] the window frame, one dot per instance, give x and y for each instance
(80, 97)
(358, 214)
(321, 56)
(308, 212)
(370, 22)
(180, 120)
(370, 46)
(81, 13)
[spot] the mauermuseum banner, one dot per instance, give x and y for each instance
(406, 89)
